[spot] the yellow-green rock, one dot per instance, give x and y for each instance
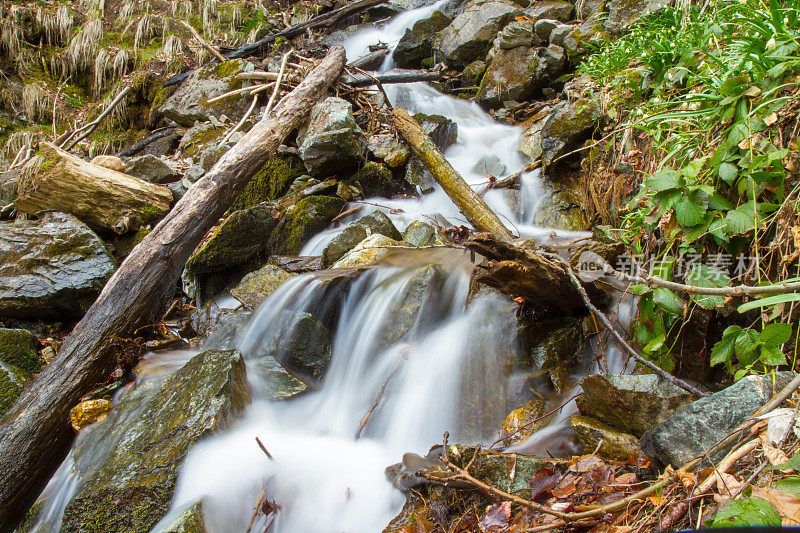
(609, 443)
(88, 412)
(369, 251)
(256, 286)
(523, 422)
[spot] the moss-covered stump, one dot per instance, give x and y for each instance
(271, 182)
(20, 348)
(374, 223)
(12, 381)
(128, 463)
(605, 441)
(53, 267)
(256, 286)
(308, 217)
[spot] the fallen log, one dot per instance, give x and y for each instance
(325, 20)
(133, 149)
(35, 434)
(370, 61)
(395, 76)
(104, 199)
(468, 201)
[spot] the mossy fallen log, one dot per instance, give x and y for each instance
(35, 433)
(104, 199)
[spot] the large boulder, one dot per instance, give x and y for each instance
(374, 179)
(19, 347)
(127, 465)
(186, 519)
(374, 223)
(52, 268)
(566, 127)
(151, 168)
(517, 73)
(256, 286)
(332, 142)
(470, 35)
(560, 207)
(631, 403)
(273, 381)
(551, 9)
(417, 304)
(694, 429)
(415, 45)
(308, 217)
(271, 181)
(190, 102)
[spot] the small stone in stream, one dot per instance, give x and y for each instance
(186, 519)
(374, 223)
(561, 380)
(109, 161)
(368, 252)
(551, 9)
(276, 382)
(389, 148)
(127, 465)
(20, 348)
(631, 403)
(491, 165)
(88, 412)
(608, 443)
(192, 174)
(256, 286)
(151, 168)
(543, 27)
(523, 422)
(331, 142)
(53, 267)
(442, 131)
(471, 33)
(696, 428)
(12, 382)
(419, 233)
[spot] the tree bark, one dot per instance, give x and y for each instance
(104, 199)
(395, 76)
(468, 201)
(324, 20)
(36, 434)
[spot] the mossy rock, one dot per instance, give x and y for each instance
(370, 251)
(419, 233)
(308, 217)
(523, 422)
(473, 73)
(128, 464)
(187, 519)
(374, 179)
(256, 286)
(125, 244)
(567, 127)
(560, 208)
(19, 347)
(12, 382)
(199, 137)
(271, 181)
(605, 441)
(496, 469)
(416, 43)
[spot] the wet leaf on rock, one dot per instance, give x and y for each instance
(496, 517)
(543, 481)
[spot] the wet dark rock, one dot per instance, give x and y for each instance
(548, 344)
(187, 519)
(332, 142)
(241, 239)
(308, 217)
(560, 207)
(631, 403)
(256, 286)
(444, 133)
(551, 9)
(417, 306)
(605, 441)
(151, 168)
(374, 179)
(416, 43)
(375, 223)
(524, 421)
(12, 382)
(569, 125)
(696, 428)
(473, 73)
(544, 27)
(190, 102)
(305, 346)
(216, 326)
(20, 348)
(52, 268)
(471, 33)
(518, 73)
(276, 382)
(296, 265)
(128, 463)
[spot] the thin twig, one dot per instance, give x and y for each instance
(203, 42)
(255, 511)
(242, 121)
(378, 397)
(277, 83)
(377, 82)
(96, 122)
(264, 449)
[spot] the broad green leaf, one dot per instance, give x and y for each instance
(772, 356)
(728, 172)
(705, 276)
(688, 213)
(789, 484)
(668, 301)
(769, 301)
(664, 179)
(725, 349)
(747, 512)
(775, 334)
(692, 170)
(639, 289)
(740, 221)
(719, 202)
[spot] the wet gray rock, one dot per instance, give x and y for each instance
(375, 223)
(444, 133)
(302, 346)
(530, 142)
(52, 268)
(696, 428)
(558, 36)
(518, 73)
(490, 164)
(517, 33)
(190, 102)
(551, 9)
(274, 382)
(543, 27)
(471, 33)
(178, 189)
(151, 168)
(389, 148)
(560, 207)
(416, 307)
(567, 127)
(256, 286)
(631, 403)
(332, 142)
(419, 233)
(186, 519)
(128, 463)
(8, 185)
(622, 14)
(415, 45)
(20, 348)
